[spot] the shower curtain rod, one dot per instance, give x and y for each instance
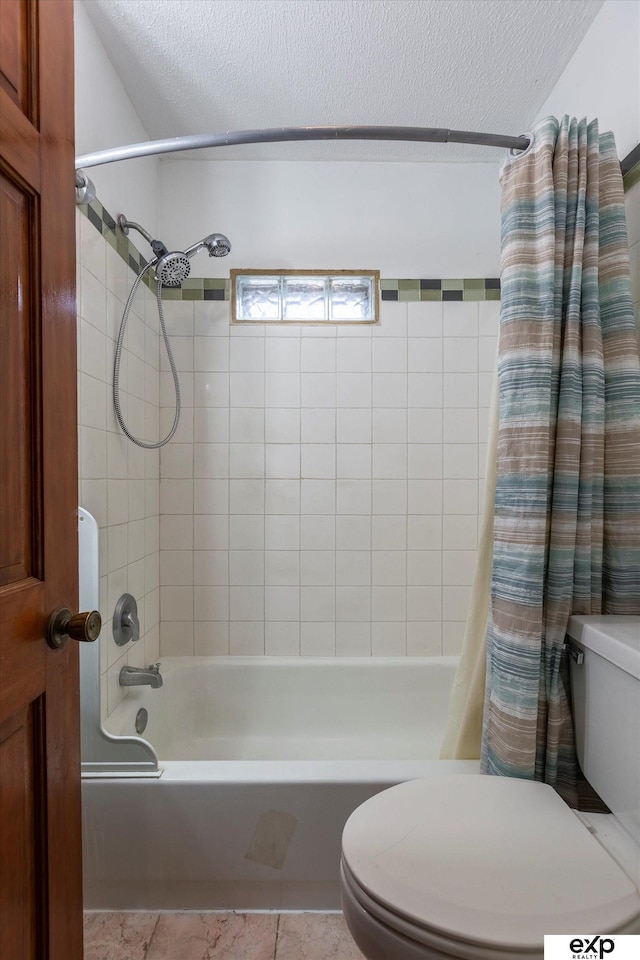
(278, 134)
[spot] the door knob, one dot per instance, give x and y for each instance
(62, 625)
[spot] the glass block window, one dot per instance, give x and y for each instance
(304, 296)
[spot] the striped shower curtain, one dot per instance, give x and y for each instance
(567, 503)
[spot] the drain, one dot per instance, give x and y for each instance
(142, 718)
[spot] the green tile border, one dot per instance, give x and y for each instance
(425, 290)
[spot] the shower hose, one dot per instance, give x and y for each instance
(118, 357)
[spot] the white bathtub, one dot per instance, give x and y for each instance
(263, 760)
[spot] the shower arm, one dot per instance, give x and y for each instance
(157, 246)
(152, 148)
(126, 225)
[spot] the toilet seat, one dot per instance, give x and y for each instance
(417, 941)
(477, 866)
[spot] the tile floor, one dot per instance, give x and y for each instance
(217, 936)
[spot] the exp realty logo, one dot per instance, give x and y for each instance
(586, 948)
(592, 947)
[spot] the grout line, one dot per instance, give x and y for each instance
(442, 486)
(193, 483)
(406, 529)
(264, 504)
(301, 410)
(228, 497)
(263, 341)
(335, 498)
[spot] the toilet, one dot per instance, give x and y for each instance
(479, 867)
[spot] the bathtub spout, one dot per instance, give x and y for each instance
(139, 676)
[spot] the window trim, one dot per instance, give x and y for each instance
(249, 272)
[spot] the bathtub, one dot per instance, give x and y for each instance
(261, 762)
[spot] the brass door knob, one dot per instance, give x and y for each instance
(84, 627)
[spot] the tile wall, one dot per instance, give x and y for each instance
(321, 495)
(118, 482)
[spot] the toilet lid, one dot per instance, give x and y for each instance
(488, 860)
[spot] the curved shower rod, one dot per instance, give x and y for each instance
(278, 134)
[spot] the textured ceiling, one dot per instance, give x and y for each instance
(207, 66)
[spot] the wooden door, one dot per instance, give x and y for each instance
(40, 838)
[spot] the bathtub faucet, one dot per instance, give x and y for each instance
(139, 676)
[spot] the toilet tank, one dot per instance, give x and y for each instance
(605, 686)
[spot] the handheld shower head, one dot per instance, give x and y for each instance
(216, 244)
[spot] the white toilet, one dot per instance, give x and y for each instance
(482, 867)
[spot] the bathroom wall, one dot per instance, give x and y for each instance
(119, 482)
(404, 219)
(321, 496)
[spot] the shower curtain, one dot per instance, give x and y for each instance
(566, 533)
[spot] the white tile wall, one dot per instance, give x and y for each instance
(327, 480)
(119, 483)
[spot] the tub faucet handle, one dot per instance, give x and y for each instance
(126, 626)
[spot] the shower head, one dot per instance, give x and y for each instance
(172, 268)
(216, 244)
